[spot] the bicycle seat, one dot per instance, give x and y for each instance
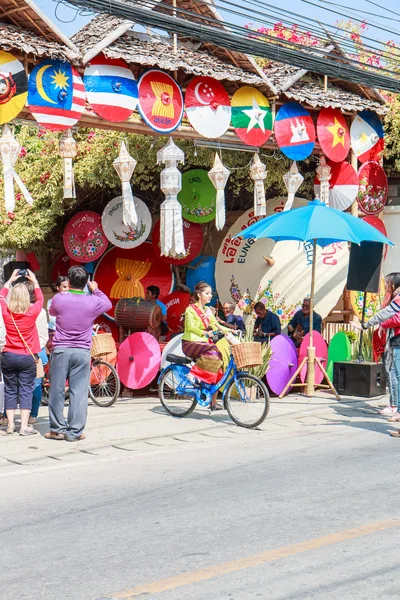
(178, 360)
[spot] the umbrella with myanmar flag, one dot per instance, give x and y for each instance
(251, 116)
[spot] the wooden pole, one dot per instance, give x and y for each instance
(310, 388)
(354, 164)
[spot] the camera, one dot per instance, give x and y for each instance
(23, 272)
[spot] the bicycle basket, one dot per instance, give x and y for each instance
(102, 344)
(247, 354)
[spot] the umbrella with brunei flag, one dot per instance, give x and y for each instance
(251, 116)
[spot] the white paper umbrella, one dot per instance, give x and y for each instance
(121, 235)
(343, 185)
(174, 346)
(208, 107)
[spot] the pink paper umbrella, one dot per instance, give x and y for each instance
(321, 352)
(283, 363)
(138, 360)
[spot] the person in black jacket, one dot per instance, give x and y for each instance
(267, 324)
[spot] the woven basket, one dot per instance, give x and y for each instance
(247, 355)
(102, 344)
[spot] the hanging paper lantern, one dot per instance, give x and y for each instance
(294, 131)
(251, 116)
(125, 165)
(13, 87)
(293, 180)
(367, 136)
(9, 151)
(197, 196)
(208, 107)
(84, 239)
(125, 236)
(258, 173)
(333, 134)
(68, 152)
(219, 176)
(373, 188)
(160, 101)
(343, 185)
(171, 226)
(56, 95)
(193, 240)
(324, 175)
(111, 88)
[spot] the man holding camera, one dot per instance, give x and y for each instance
(75, 313)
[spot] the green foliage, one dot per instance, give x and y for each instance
(366, 346)
(352, 335)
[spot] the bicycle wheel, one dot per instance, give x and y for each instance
(247, 400)
(177, 405)
(104, 385)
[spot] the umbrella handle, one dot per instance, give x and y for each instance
(132, 358)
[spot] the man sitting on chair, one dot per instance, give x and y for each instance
(299, 325)
(267, 324)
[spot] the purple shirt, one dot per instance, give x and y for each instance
(75, 314)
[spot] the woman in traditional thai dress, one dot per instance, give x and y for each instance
(197, 340)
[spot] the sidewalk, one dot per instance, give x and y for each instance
(140, 423)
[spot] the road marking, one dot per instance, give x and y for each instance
(177, 581)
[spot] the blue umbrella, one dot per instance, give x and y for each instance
(321, 225)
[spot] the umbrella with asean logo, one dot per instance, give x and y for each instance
(251, 116)
(160, 101)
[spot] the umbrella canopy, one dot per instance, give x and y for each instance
(316, 222)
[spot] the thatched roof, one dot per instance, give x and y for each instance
(22, 41)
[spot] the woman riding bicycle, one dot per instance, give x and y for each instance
(197, 340)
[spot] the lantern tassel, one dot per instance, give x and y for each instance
(220, 214)
(69, 181)
(171, 227)
(289, 202)
(8, 177)
(23, 188)
(129, 214)
(260, 205)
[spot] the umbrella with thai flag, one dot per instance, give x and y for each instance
(111, 88)
(343, 185)
(367, 136)
(208, 107)
(294, 131)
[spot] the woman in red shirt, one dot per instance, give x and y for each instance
(17, 363)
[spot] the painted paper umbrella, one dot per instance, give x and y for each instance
(380, 226)
(111, 88)
(13, 87)
(197, 196)
(251, 116)
(321, 352)
(176, 304)
(333, 134)
(122, 235)
(374, 302)
(201, 268)
(343, 185)
(373, 188)
(367, 136)
(83, 237)
(294, 131)
(160, 101)
(208, 107)
(283, 363)
(193, 236)
(56, 95)
(60, 265)
(138, 360)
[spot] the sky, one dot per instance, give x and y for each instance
(69, 21)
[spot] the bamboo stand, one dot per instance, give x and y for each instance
(311, 359)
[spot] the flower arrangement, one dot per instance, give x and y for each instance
(371, 198)
(199, 211)
(243, 301)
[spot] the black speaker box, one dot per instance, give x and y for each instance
(359, 379)
(365, 267)
(10, 267)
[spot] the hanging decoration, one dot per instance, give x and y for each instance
(193, 240)
(171, 225)
(9, 151)
(197, 196)
(343, 185)
(56, 95)
(68, 152)
(251, 116)
(125, 236)
(13, 87)
(84, 239)
(258, 173)
(125, 165)
(324, 175)
(333, 134)
(367, 136)
(160, 101)
(293, 180)
(219, 175)
(111, 88)
(373, 188)
(294, 131)
(208, 107)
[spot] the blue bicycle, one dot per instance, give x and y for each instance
(245, 396)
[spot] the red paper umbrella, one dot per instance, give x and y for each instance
(380, 226)
(60, 265)
(176, 304)
(160, 101)
(343, 185)
(138, 360)
(373, 188)
(193, 236)
(333, 134)
(84, 239)
(123, 273)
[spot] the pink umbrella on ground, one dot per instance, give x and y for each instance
(138, 360)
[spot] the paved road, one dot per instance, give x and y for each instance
(306, 512)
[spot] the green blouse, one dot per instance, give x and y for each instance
(194, 326)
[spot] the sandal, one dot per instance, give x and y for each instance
(29, 431)
(32, 420)
(51, 435)
(395, 433)
(216, 407)
(394, 418)
(10, 430)
(75, 439)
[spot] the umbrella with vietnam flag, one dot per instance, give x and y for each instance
(333, 134)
